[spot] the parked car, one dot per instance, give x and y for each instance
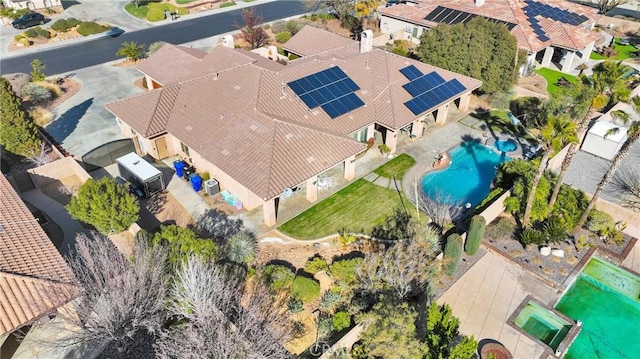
(28, 20)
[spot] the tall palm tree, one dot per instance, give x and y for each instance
(558, 132)
(633, 133)
(607, 85)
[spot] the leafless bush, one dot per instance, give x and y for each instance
(67, 190)
(442, 209)
(404, 269)
(220, 320)
(120, 295)
(41, 156)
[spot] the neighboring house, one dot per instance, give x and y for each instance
(34, 278)
(260, 127)
(31, 4)
(549, 31)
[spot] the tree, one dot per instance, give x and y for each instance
(604, 6)
(341, 8)
(479, 48)
(217, 319)
(606, 84)
(402, 270)
(37, 71)
(120, 295)
(104, 204)
(475, 234)
(131, 50)
(390, 331)
(241, 248)
(41, 157)
(554, 136)
(182, 242)
(18, 132)
(252, 31)
(452, 253)
(633, 133)
(442, 330)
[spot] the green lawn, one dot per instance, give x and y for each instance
(140, 12)
(552, 77)
(623, 52)
(358, 207)
(227, 4)
(153, 11)
(397, 166)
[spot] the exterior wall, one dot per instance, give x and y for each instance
(65, 167)
(144, 146)
(496, 208)
(32, 4)
(390, 25)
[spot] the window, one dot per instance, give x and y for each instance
(415, 32)
(185, 148)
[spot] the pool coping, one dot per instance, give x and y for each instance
(564, 345)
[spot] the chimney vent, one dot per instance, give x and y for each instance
(227, 40)
(478, 2)
(366, 41)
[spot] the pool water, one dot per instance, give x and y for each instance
(505, 145)
(542, 324)
(605, 298)
(468, 178)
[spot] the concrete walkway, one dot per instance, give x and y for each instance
(58, 214)
(485, 297)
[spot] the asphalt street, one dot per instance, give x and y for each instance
(76, 56)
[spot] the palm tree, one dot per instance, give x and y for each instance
(633, 133)
(241, 248)
(558, 131)
(606, 85)
(131, 50)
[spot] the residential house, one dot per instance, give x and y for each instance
(34, 278)
(549, 31)
(31, 4)
(260, 127)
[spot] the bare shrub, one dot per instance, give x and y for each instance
(40, 157)
(442, 209)
(41, 116)
(67, 190)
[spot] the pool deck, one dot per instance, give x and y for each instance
(485, 297)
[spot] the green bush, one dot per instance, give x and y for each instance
(91, 28)
(532, 236)
(277, 277)
(157, 10)
(452, 253)
(502, 227)
(73, 22)
(329, 300)
(18, 37)
(37, 93)
(341, 320)
(345, 270)
(599, 222)
(31, 33)
(554, 229)
(25, 42)
(155, 15)
(227, 4)
(13, 13)
(315, 265)
(293, 27)
(295, 305)
(305, 289)
(59, 25)
(570, 205)
(42, 32)
(475, 234)
(283, 37)
(489, 199)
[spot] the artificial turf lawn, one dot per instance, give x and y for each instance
(623, 52)
(552, 77)
(397, 166)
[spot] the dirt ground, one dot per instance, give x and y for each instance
(69, 88)
(535, 83)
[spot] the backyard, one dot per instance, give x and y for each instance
(553, 78)
(358, 207)
(623, 51)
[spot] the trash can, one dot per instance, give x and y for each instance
(196, 182)
(187, 171)
(179, 165)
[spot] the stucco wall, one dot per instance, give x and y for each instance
(51, 172)
(393, 26)
(496, 208)
(621, 214)
(556, 161)
(32, 4)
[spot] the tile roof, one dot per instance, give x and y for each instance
(170, 63)
(310, 41)
(572, 37)
(246, 114)
(29, 264)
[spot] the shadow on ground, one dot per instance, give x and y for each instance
(61, 128)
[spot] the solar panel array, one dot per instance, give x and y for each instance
(449, 16)
(534, 8)
(428, 90)
(330, 89)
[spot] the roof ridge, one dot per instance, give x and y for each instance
(33, 278)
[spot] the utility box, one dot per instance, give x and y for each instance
(134, 168)
(212, 187)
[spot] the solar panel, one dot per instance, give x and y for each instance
(434, 96)
(411, 72)
(449, 16)
(423, 83)
(342, 105)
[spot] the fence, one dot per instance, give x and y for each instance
(106, 155)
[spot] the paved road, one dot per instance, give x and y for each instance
(80, 55)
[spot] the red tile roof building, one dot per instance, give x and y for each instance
(232, 113)
(561, 32)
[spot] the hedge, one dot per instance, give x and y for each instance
(452, 253)
(475, 234)
(65, 24)
(305, 289)
(42, 32)
(315, 265)
(31, 33)
(90, 28)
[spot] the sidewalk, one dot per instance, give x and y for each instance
(58, 214)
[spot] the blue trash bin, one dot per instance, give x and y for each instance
(179, 165)
(196, 182)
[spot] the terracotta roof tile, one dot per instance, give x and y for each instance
(170, 63)
(29, 264)
(310, 41)
(505, 10)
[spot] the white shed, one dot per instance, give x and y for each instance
(598, 143)
(134, 168)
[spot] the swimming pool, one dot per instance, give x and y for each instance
(508, 145)
(606, 299)
(468, 178)
(542, 324)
